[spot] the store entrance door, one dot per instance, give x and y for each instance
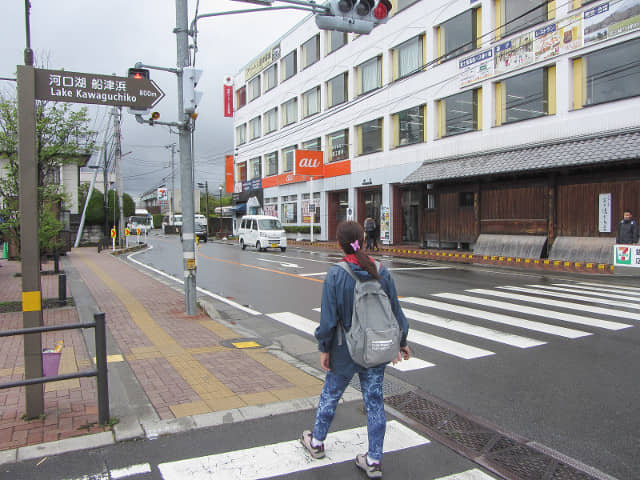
(338, 206)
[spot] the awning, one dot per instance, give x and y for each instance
(240, 208)
(598, 149)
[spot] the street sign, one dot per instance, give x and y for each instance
(113, 233)
(73, 87)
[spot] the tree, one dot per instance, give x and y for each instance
(113, 207)
(63, 137)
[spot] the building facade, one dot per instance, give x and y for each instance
(456, 124)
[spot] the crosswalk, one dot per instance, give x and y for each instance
(512, 317)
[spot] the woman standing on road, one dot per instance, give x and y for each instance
(337, 307)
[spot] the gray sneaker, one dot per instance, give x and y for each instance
(315, 452)
(372, 471)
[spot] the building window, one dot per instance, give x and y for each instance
(402, 4)
(311, 51)
(337, 92)
(289, 209)
(270, 77)
(242, 171)
(271, 120)
(525, 96)
(312, 145)
(311, 102)
(271, 163)
(254, 88)
(336, 40)
(290, 112)
(515, 15)
(271, 206)
(369, 136)
(460, 113)
(408, 57)
(465, 199)
(241, 134)
(255, 128)
(408, 126)
(254, 166)
(289, 66)
(241, 96)
(459, 34)
(369, 75)
(607, 75)
(338, 145)
(288, 156)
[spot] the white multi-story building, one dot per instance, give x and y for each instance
(453, 122)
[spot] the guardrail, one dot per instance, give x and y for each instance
(100, 372)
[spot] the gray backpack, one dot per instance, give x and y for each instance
(374, 336)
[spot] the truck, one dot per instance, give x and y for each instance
(200, 227)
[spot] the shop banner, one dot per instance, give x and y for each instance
(611, 19)
(229, 188)
(385, 225)
(626, 256)
(476, 68)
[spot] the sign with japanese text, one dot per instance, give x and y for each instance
(309, 162)
(604, 213)
(74, 87)
(263, 61)
(228, 97)
(611, 19)
(626, 256)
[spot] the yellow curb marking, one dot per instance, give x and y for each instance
(245, 344)
(112, 358)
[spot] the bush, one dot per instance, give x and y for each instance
(95, 209)
(301, 229)
(157, 220)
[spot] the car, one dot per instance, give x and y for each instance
(263, 232)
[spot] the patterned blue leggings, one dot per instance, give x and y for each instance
(371, 384)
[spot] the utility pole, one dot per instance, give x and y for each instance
(119, 176)
(206, 195)
(106, 191)
(186, 162)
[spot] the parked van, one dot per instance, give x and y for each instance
(262, 231)
(173, 221)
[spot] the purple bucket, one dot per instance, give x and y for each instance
(50, 363)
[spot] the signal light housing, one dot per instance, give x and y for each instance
(356, 16)
(141, 73)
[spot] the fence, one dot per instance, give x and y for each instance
(100, 372)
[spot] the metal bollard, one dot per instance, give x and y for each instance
(101, 365)
(62, 288)
(56, 263)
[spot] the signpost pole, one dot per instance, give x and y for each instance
(311, 214)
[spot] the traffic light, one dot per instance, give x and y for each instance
(356, 16)
(141, 74)
(190, 96)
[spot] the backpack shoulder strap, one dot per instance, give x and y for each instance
(347, 268)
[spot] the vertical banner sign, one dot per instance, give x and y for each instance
(228, 97)
(228, 175)
(163, 197)
(604, 213)
(385, 225)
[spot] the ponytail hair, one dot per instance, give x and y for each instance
(351, 240)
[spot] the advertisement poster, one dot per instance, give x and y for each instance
(626, 256)
(271, 210)
(306, 213)
(476, 67)
(611, 19)
(514, 53)
(385, 225)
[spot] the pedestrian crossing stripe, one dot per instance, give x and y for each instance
(597, 290)
(620, 287)
(287, 457)
(568, 296)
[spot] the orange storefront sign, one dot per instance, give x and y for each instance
(309, 162)
(228, 173)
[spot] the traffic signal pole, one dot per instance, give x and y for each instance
(186, 162)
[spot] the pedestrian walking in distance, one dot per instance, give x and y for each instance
(370, 230)
(336, 318)
(627, 229)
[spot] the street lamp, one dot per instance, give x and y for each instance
(220, 218)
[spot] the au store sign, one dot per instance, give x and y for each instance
(74, 87)
(309, 162)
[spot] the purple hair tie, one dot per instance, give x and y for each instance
(356, 246)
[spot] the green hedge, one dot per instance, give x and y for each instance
(301, 229)
(157, 220)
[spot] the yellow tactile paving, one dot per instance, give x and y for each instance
(188, 409)
(6, 372)
(201, 350)
(284, 369)
(259, 398)
(223, 332)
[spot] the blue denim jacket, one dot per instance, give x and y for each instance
(337, 305)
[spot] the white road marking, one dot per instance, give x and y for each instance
(567, 317)
(555, 303)
(417, 268)
(287, 457)
(474, 474)
(619, 287)
(284, 264)
(498, 318)
(542, 291)
(475, 330)
(311, 274)
(131, 470)
(305, 325)
(628, 295)
(450, 347)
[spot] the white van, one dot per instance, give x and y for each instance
(261, 231)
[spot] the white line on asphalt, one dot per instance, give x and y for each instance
(417, 268)
(474, 474)
(450, 347)
(475, 330)
(543, 291)
(307, 326)
(199, 289)
(311, 274)
(619, 287)
(498, 318)
(567, 317)
(555, 303)
(599, 290)
(287, 457)
(131, 470)
(280, 262)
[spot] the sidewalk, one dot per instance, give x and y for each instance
(167, 371)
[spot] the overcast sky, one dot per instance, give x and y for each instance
(110, 36)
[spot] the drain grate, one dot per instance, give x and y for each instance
(511, 458)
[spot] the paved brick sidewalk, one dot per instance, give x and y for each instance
(70, 407)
